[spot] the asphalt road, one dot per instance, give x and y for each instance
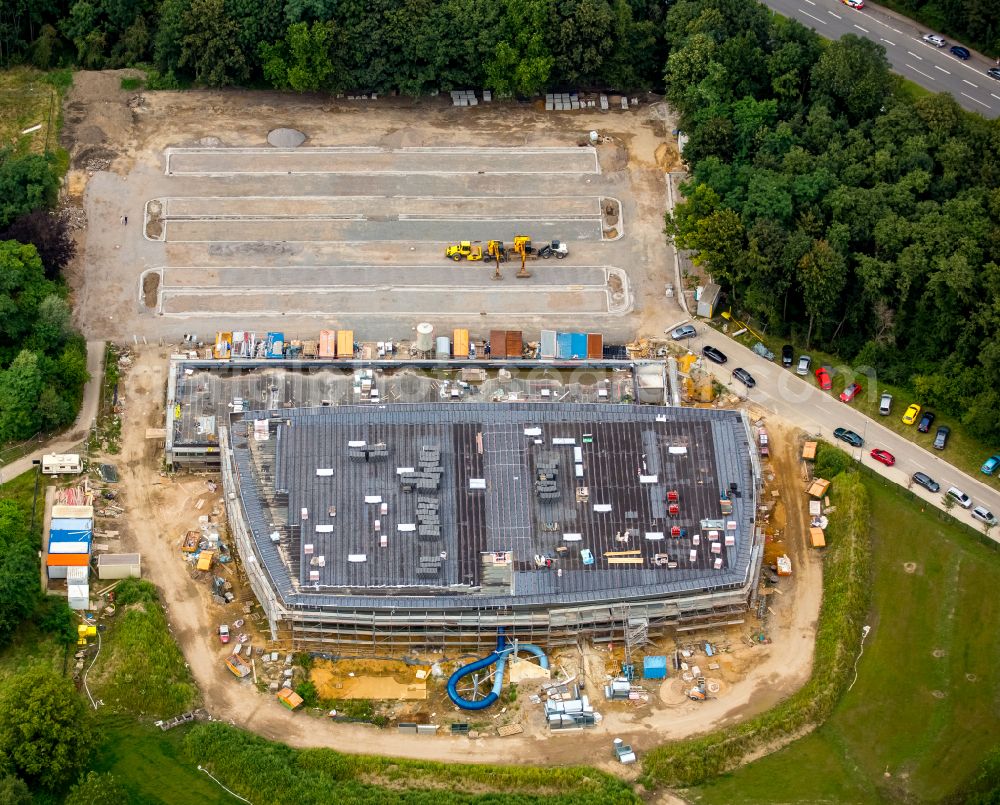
(933, 68)
(802, 403)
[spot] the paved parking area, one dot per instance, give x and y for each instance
(374, 291)
(375, 160)
(261, 232)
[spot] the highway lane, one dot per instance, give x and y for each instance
(802, 403)
(933, 68)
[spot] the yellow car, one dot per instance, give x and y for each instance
(911, 414)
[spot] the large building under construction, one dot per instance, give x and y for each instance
(382, 527)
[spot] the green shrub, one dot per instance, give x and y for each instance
(830, 461)
(307, 690)
(131, 84)
(846, 575)
(133, 591)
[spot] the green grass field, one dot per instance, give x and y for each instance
(924, 706)
(152, 766)
(963, 450)
(29, 98)
(21, 490)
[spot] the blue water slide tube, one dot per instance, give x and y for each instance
(499, 656)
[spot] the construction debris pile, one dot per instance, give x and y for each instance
(566, 707)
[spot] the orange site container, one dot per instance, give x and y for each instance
(460, 343)
(345, 343)
(328, 343)
(67, 560)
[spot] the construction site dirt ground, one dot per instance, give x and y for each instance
(226, 232)
(160, 507)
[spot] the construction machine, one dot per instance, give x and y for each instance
(556, 248)
(497, 250)
(522, 246)
(464, 249)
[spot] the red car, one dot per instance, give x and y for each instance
(850, 392)
(823, 378)
(883, 456)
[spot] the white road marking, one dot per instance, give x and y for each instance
(919, 72)
(832, 14)
(914, 55)
(810, 16)
(978, 101)
(810, 2)
(996, 96)
(888, 42)
(942, 70)
(970, 83)
(861, 29)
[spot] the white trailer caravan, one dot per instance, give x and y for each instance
(61, 464)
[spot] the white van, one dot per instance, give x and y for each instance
(959, 497)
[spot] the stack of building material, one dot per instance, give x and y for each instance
(428, 519)
(546, 484)
(429, 566)
(561, 101)
(464, 97)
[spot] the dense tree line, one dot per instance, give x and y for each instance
(43, 359)
(830, 205)
(46, 739)
(412, 46)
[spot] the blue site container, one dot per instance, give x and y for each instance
(654, 667)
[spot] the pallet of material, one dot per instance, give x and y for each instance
(509, 729)
(622, 553)
(626, 560)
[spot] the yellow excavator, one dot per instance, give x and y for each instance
(522, 246)
(497, 250)
(464, 249)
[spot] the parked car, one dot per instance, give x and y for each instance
(823, 378)
(959, 497)
(994, 72)
(885, 404)
(744, 377)
(984, 515)
(763, 351)
(224, 633)
(850, 392)
(855, 4)
(713, 354)
(805, 361)
(924, 425)
(941, 437)
(959, 52)
(928, 483)
(911, 414)
(682, 332)
(848, 436)
(787, 355)
(883, 456)
(990, 465)
(586, 556)
(934, 39)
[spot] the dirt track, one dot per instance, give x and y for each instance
(160, 509)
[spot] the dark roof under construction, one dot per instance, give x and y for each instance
(487, 503)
